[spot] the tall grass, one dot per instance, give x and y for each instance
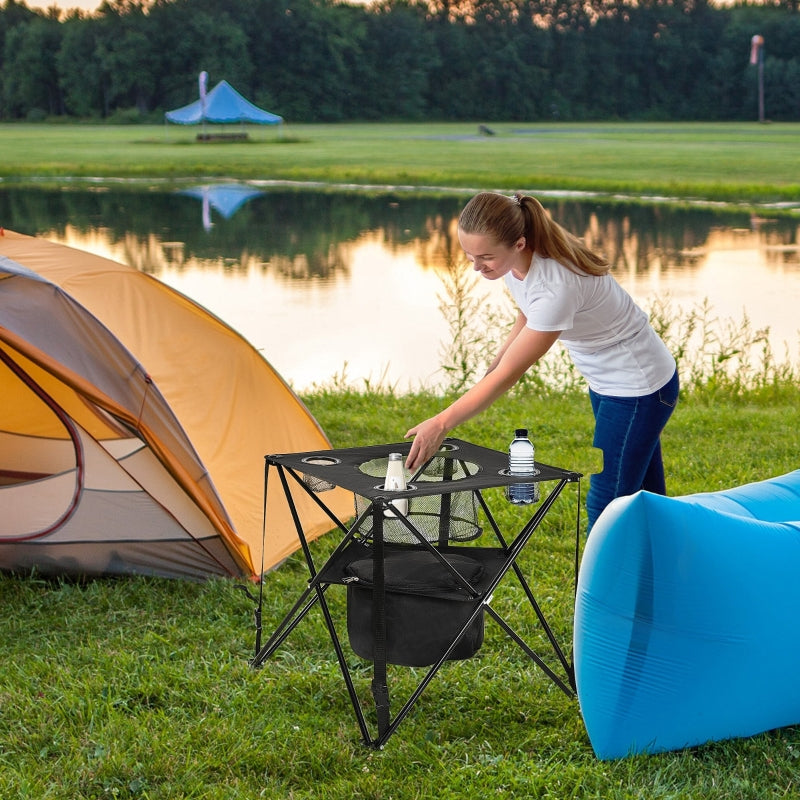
(715, 356)
(722, 356)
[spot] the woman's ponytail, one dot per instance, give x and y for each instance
(550, 240)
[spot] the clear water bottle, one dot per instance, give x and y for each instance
(521, 461)
(396, 482)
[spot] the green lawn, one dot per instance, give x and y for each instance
(742, 162)
(138, 688)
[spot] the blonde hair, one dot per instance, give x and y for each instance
(506, 219)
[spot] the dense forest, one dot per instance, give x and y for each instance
(324, 60)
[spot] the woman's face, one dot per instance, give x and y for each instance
(492, 259)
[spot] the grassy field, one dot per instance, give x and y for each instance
(740, 163)
(137, 688)
(141, 688)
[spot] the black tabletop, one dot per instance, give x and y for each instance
(474, 467)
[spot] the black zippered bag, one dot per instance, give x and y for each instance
(424, 605)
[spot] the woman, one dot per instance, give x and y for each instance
(564, 291)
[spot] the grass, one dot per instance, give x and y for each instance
(730, 162)
(141, 688)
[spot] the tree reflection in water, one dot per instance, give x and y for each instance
(350, 284)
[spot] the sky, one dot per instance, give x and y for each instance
(65, 5)
(93, 5)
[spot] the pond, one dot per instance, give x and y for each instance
(348, 286)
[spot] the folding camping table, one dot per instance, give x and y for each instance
(468, 470)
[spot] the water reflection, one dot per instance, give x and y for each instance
(320, 279)
(226, 199)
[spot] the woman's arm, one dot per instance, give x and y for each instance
(521, 350)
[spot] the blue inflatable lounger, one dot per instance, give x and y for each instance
(686, 618)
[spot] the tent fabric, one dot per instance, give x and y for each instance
(223, 104)
(134, 426)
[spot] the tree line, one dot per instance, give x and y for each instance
(409, 60)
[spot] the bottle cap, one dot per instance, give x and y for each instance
(395, 456)
(521, 433)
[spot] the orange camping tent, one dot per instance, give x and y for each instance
(134, 426)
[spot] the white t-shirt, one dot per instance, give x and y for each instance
(609, 338)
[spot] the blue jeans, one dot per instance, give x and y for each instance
(628, 431)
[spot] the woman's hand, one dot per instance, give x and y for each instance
(519, 353)
(428, 438)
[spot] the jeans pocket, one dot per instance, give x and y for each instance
(668, 393)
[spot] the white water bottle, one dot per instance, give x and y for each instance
(521, 461)
(396, 482)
